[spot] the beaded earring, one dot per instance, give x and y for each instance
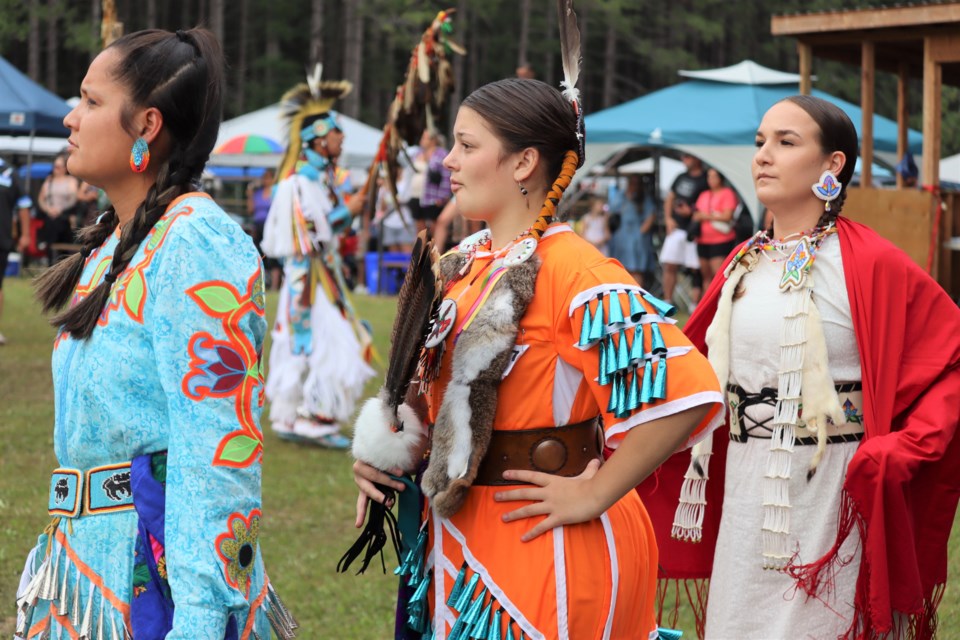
(139, 155)
(827, 189)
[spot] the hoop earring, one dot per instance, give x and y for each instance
(139, 155)
(827, 189)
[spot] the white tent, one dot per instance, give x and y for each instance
(950, 169)
(359, 146)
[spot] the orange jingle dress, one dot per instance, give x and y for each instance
(595, 579)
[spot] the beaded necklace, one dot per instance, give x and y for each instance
(797, 260)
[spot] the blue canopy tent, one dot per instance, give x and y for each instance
(714, 116)
(27, 109)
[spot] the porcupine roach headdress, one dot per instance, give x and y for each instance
(309, 102)
(420, 101)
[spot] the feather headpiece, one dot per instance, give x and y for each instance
(315, 97)
(570, 59)
(420, 100)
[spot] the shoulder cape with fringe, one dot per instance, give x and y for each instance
(902, 485)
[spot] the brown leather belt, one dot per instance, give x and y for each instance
(562, 451)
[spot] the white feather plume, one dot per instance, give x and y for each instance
(569, 49)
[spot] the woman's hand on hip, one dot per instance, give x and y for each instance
(561, 499)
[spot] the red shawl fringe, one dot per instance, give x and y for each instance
(817, 580)
(674, 594)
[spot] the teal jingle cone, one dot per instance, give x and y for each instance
(660, 383)
(596, 327)
(623, 352)
(457, 586)
(614, 310)
(463, 602)
(665, 309)
(611, 360)
(621, 394)
(585, 326)
(482, 625)
(493, 633)
(636, 349)
(633, 395)
(657, 345)
(602, 376)
(614, 392)
(646, 391)
(636, 308)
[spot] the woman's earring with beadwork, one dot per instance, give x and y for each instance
(139, 155)
(828, 189)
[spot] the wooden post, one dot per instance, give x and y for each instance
(805, 51)
(867, 68)
(903, 115)
(930, 172)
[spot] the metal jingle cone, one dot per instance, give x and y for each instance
(596, 326)
(633, 395)
(614, 310)
(479, 629)
(623, 352)
(614, 393)
(493, 633)
(660, 382)
(636, 349)
(622, 411)
(637, 310)
(665, 309)
(657, 345)
(611, 360)
(86, 627)
(585, 326)
(75, 606)
(646, 389)
(63, 600)
(457, 586)
(113, 629)
(100, 621)
(603, 378)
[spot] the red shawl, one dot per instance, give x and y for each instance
(902, 485)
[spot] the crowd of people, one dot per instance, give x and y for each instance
(802, 426)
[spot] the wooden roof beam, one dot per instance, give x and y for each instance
(807, 23)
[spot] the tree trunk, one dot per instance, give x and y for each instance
(456, 96)
(522, 59)
(473, 55)
(52, 44)
(551, 36)
(216, 20)
(584, 21)
(33, 42)
(353, 54)
(316, 32)
(151, 14)
(242, 57)
(610, 63)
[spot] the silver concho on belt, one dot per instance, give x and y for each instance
(443, 324)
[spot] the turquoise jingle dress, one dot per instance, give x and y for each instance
(156, 501)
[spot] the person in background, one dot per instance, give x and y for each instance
(908, 171)
(631, 243)
(88, 199)
(435, 192)
(13, 205)
(259, 196)
(678, 250)
(321, 349)
(714, 213)
(56, 201)
(594, 225)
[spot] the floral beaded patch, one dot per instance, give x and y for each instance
(237, 549)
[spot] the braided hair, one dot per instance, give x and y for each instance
(181, 75)
(837, 133)
(526, 113)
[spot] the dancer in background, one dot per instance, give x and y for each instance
(318, 362)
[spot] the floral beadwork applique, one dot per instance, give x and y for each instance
(237, 549)
(229, 368)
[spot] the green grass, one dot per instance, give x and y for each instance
(308, 493)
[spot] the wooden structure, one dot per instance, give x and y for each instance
(908, 41)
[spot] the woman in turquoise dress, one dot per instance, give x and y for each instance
(156, 500)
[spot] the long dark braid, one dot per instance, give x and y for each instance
(186, 89)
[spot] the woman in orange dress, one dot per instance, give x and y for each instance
(544, 347)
